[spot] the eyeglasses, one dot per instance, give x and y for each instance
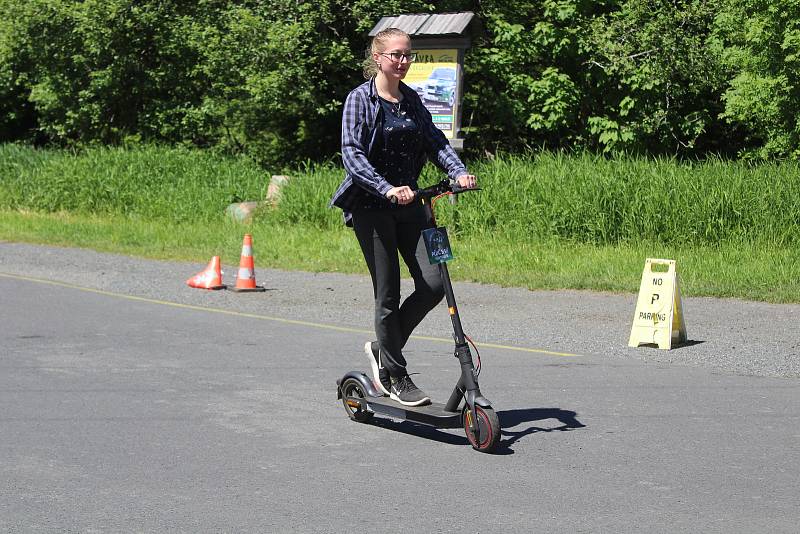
(397, 57)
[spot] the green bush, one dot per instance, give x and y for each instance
(760, 43)
(262, 78)
(616, 75)
(268, 78)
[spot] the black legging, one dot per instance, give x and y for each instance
(382, 233)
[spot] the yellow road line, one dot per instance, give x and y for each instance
(265, 317)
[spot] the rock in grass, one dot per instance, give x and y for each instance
(243, 211)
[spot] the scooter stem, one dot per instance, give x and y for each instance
(452, 308)
(467, 386)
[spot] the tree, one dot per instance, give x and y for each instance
(759, 41)
(268, 77)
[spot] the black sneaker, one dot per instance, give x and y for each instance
(405, 392)
(380, 376)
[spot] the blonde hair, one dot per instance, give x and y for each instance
(376, 46)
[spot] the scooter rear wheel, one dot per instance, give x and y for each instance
(352, 388)
(488, 431)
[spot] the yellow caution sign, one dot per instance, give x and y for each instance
(659, 312)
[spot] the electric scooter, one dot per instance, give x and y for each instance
(362, 398)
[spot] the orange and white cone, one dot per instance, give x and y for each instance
(208, 278)
(246, 278)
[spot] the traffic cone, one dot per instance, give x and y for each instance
(246, 279)
(208, 278)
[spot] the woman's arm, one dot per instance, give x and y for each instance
(355, 138)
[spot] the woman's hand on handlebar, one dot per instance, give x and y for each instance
(406, 195)
(401, 195)
(467, 181)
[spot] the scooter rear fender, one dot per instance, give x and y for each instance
(366, 384)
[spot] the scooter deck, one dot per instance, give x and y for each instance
(433, 414)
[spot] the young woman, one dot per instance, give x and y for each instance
(387, 136)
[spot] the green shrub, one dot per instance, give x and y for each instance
(268, 78)
(760, 43)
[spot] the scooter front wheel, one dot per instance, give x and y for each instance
(352, 390)
(482, 428)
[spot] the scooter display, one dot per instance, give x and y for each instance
(362, 399)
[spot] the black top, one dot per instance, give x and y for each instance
(400, 139)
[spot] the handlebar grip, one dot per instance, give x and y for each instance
(442, 187)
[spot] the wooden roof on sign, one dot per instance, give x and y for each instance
(451, 24)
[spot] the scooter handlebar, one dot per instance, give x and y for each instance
(443, 187)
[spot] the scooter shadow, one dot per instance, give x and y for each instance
(508, 419)
(420, 431)
(512, 418)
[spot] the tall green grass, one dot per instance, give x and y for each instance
(148, 182)
(595, 200)
(579, 198)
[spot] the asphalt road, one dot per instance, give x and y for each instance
(129, 402)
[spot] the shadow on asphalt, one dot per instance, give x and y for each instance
(688, 343)
(421, 431)
(508, 419)
(512, 418)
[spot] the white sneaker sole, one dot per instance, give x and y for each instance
(425, 400)
(376, 377)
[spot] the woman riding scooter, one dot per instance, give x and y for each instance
(387, 136)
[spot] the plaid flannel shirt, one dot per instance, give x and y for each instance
(361, 122)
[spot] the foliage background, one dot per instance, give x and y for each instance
(266, 78)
